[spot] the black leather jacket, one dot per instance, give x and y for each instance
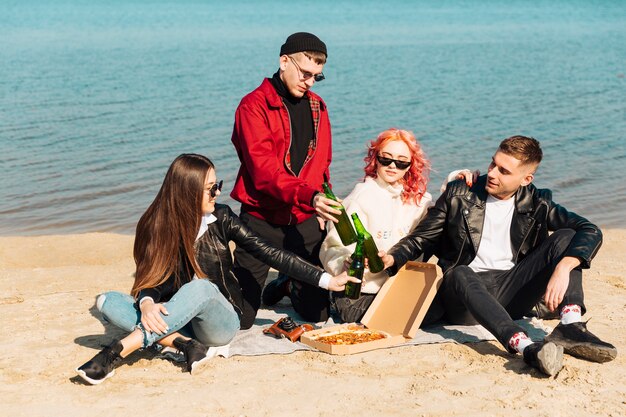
(452, 228)
(215, 260)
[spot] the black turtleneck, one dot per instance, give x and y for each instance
(301, 123)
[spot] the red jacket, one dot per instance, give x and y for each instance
(266, 186)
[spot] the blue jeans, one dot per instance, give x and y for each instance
(197, 310)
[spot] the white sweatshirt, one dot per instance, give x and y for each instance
(384, 215)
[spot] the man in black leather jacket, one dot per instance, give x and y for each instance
(498, 258)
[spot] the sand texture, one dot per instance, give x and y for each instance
(49, 283)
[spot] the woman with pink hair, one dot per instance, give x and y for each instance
(390, 202)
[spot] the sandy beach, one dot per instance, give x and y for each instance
(49, 284)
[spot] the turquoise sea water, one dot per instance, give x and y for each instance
(97, 98)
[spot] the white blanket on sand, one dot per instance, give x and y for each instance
(253, 342)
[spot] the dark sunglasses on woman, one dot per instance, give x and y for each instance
(387, 161)
(215, 188)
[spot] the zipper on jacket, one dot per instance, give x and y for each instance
(460, 253)
(290, 140)
(306, 160)
(464, 241)
(521, 245)
(230, 297)
(289, 150)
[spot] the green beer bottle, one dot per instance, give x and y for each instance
(344, 227)
(353, 289)
(375, 264)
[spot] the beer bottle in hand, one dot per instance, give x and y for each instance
(353, 289)
(375, 264)
(344, 226)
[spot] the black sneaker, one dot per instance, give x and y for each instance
(194, 351)
(581, 343)
(540, 310)
(276, 290)
(547, 357)
(101, 366)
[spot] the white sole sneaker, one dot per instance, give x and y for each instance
(172, 354)
(84, 376)
(550, 359)
(212, 352)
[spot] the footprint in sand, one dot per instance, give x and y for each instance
(11, 300)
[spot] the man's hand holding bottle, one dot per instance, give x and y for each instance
(388, 260)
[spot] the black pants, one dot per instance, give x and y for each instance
(303, 239)
(349, 310)
(496, 298)
(352, 311)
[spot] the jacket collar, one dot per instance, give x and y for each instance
(274, 99)
(524, 199)
(478, 194)
(206, 220)
(523, 196)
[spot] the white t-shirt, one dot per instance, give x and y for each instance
(494, 249)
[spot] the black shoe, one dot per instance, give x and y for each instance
(547, 357)
(581, 343)
(101, 366)
(194, 351)
(540, 310)
(276, 290)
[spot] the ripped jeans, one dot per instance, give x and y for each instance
(197, 310)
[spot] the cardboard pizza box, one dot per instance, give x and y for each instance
(398, 309)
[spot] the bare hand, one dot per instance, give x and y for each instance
(151, 318)
(388, 260)
(555, 291)
(559, 281)
(324, 207)
(338, 282)
(322, 222)
(469, 176)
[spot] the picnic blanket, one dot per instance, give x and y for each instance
(252, 342)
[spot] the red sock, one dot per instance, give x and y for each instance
(519, 341)
(571, 313)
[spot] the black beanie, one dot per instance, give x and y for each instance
(302, 41)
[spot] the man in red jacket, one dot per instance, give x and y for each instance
(283, 140)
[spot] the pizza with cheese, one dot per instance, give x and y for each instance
(351, 336)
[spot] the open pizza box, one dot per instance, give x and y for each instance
(398, 310)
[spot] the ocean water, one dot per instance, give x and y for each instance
(97, 98)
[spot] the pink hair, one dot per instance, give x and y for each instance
(415, 180)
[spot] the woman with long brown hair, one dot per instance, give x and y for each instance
(185, 294)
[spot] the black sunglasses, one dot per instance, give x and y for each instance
(306, 75)
(387, 161)
(215, 188)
